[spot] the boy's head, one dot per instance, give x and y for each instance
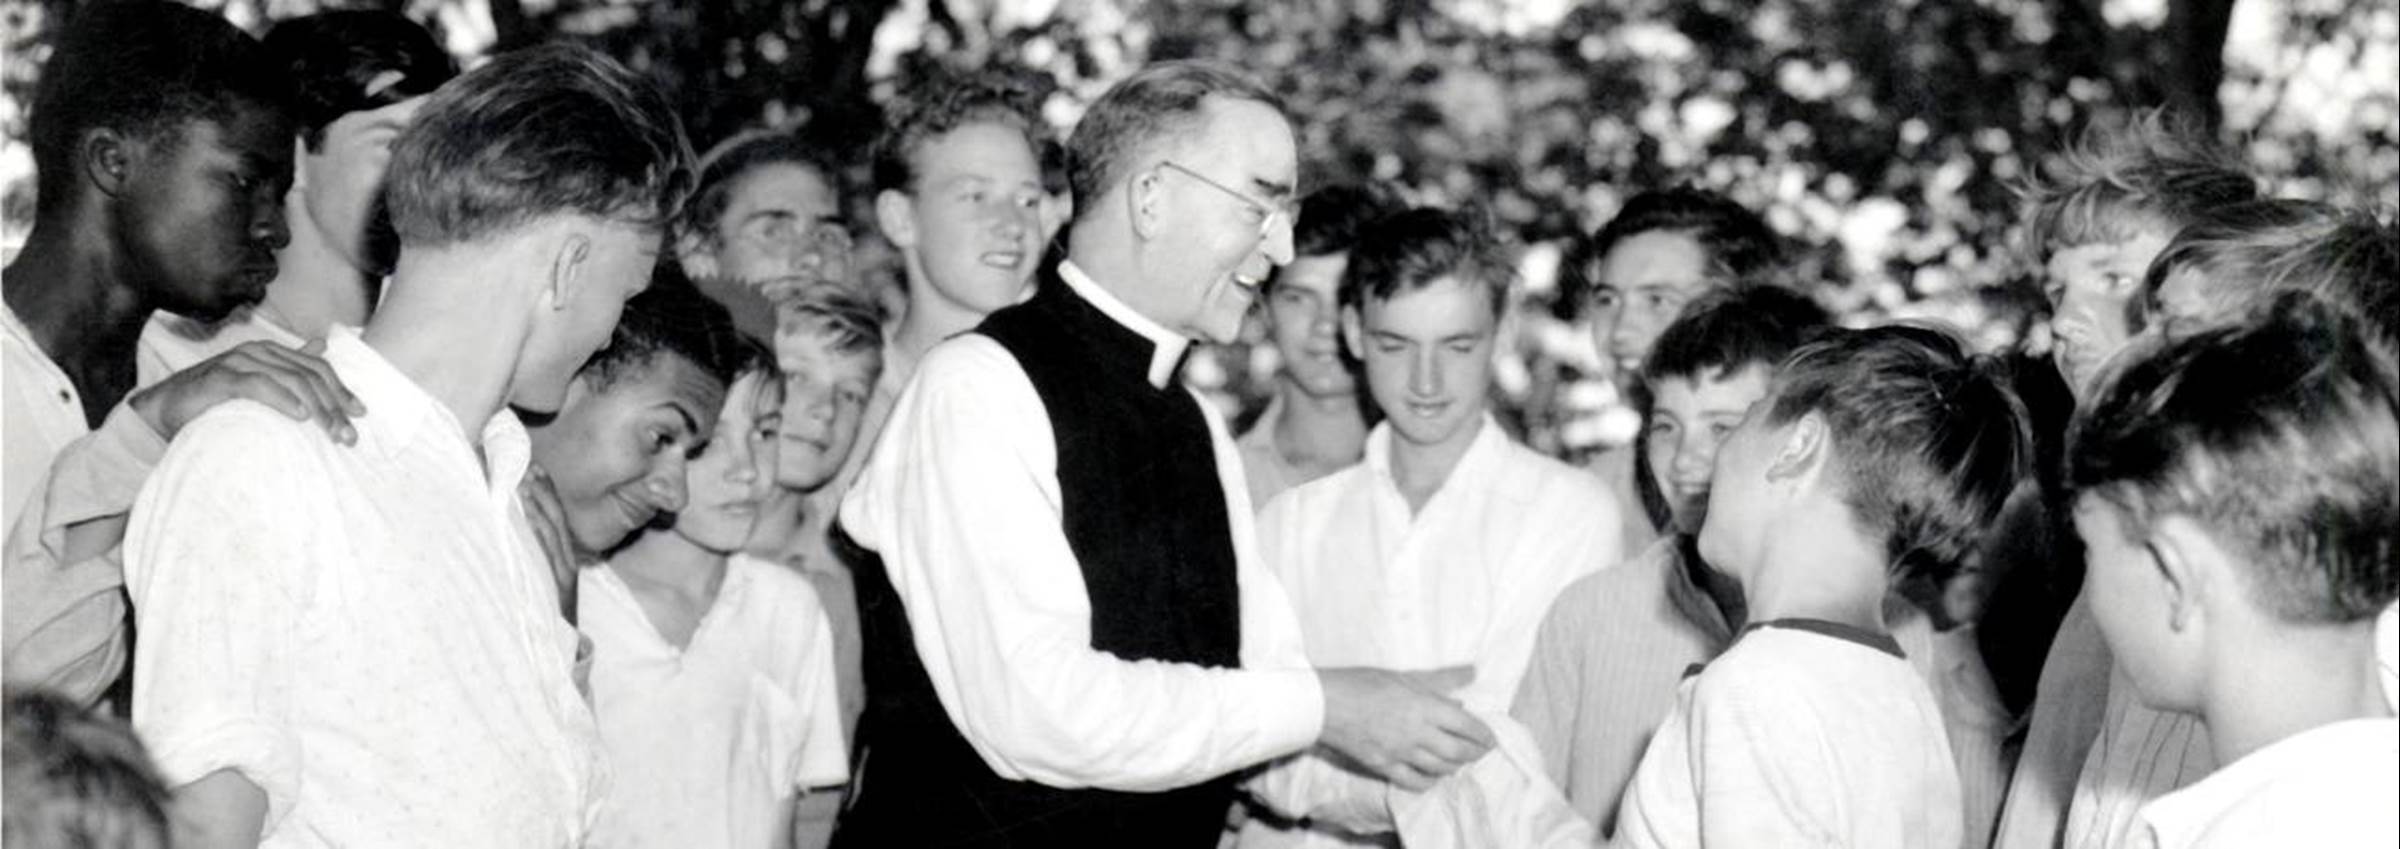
(2237, 264)
(1912, 436)
(1664, 248)
(1303, 298)
(733, 475)
(169, 130)
(768, 205)
(78, 779)
(637, 411)
(2234, 484)
(1421, 308)
(562, 162)
(958, 189)
(2102, 210)
(829, 346)
(357, 78)
(1703, 375)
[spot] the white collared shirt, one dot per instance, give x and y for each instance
(171, 343)
(962, 501)
(41, 413)
(2330, 787)
(368, 633)
(2141, 754)
(1464, 580)
(706, 741)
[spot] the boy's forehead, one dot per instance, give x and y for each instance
(1448, 300)
(671, 378)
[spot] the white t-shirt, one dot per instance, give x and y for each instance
(1803, 734)
(705, 742)
(2330, 787)
(369, 633)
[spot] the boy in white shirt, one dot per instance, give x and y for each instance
(2236, 498)
(1875, 454)
(712, 670)
(1445, 544)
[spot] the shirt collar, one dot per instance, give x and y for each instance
(1477, 464)
(1169, 345)
(400, 413)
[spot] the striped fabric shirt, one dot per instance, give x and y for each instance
(2140, 755)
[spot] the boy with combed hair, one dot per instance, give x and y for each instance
(356, 645)
(2107, 206)
(2237, 494)
(77, 780)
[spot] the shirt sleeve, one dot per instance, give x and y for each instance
(218, 568)
(1547, 697)
(961, 500)
(65, 605)
(1760, 762)
(824, 759)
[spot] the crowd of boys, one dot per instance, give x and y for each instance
(426, 458)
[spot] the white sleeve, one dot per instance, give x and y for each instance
(1502, 799)
(961, 500)
(64, 572)
(217, 564)
(824, 757)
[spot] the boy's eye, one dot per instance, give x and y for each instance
(1606, 299)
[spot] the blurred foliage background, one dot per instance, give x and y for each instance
(1880, 136)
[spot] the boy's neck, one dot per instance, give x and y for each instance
(1813, 566)
(930, 317)
(67, 288)
(665, 560)
(2300, 678)
(1421, 470)
(455, 325)
(1317, 433)
(780, 516)
(315, 288)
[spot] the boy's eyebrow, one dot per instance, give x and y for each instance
(1272, 189)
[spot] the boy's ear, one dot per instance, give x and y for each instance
(1146, 201)
(1804, 450)
(2191, 564)
(1354, 333)
(691, 250)
(567, 268)
(896, 215)
(107, 157)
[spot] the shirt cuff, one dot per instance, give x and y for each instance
(1288, 706)
(101, 477)
(259, 752)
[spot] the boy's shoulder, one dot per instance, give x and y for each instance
(2327, 786)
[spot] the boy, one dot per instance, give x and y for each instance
(357, 76)
(1874, 455)
(353, 645)
(1443, 546)
(1315, 423)
(77, 779)
(1632, 277)
(2108, 206)
(1613, 646)
(2236, 494)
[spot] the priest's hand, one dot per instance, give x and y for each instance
(1402, 726)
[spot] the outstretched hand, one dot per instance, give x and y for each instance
(1402, 727)
(296, 382)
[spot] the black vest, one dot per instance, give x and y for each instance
(1145, 516)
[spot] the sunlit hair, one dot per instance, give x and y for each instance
(146, 70)
(1927, 438)
(345, 61)
(1411, 250)
(1159, 102)
(724, 167)
(2251, 252)
(849, 321)
(549, 130)
(78, 779)
(943, 102)
(2118, 181)
(671, 318)
(1739, 244)
(2278, 437)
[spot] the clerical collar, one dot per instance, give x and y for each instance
(1169, 345)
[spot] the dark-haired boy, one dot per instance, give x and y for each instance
(163, 146)
(2236, 495)
(363, 645)
(1444, 545)
(1614, 645)
(357, 76)
(1633, 276)
(2100, 214)
(1315, 422)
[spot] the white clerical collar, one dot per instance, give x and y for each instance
(1170, 344)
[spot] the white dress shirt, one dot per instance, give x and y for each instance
(171, 343)
(2330, 787)
(1464, 580)
(368, 633)
(706, 741)
(961, 500)
(40, 412)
